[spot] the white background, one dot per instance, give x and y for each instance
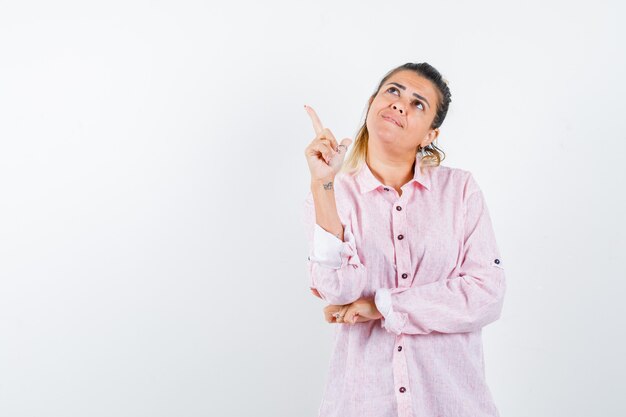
(152, 255)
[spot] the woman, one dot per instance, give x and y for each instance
(404, 252)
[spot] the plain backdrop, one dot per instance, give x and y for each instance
(152, 175)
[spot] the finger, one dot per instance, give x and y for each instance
(342, 314)
(351, 315)
(329, 135)
(336, 315)
(317, 123)
(330, 311)
(322, 141)
(331, 145)
(328, 316)
(342, 148)
(340, 154)
(324, 149)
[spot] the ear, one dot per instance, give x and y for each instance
(431, 136)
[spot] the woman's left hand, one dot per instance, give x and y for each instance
(363, 309)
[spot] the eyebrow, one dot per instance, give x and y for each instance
(415, 94)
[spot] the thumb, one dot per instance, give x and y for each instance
(342, 150)
(343, 146)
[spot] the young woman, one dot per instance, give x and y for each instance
(404, 253)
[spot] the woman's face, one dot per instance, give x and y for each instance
(410, 100)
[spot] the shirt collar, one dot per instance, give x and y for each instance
(368, 182)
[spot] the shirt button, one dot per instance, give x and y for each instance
(400, 237)
(399, 348)
(398, 208)
(497, 261)
(402, 389)
(405, 276)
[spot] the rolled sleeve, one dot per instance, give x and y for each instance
(335, 269)
(391, 320)
(327, 248)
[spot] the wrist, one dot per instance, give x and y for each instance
(327, 183)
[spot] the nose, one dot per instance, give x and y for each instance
(398, 107)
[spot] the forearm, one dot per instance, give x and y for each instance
(451, 305)
(326, 215)
(335, 270)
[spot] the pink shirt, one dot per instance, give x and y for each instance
(431, 260)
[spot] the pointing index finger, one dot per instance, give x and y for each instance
(317, 124)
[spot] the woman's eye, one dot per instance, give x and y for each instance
(416, 102)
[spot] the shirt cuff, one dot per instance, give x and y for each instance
(382, 299)
(326, 248)
(392, 321)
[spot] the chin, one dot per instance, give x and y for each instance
(384, 135)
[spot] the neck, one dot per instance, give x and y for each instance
(391, 170)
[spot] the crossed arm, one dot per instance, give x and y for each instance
(455, 304)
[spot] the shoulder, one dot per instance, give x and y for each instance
(453, 179)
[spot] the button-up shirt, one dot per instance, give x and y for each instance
(429, 258)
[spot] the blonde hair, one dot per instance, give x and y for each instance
(432, 155)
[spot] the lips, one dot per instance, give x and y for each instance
(392, 119)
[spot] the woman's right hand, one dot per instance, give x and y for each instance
(324, 156)
(331, 312)
(334, 314)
